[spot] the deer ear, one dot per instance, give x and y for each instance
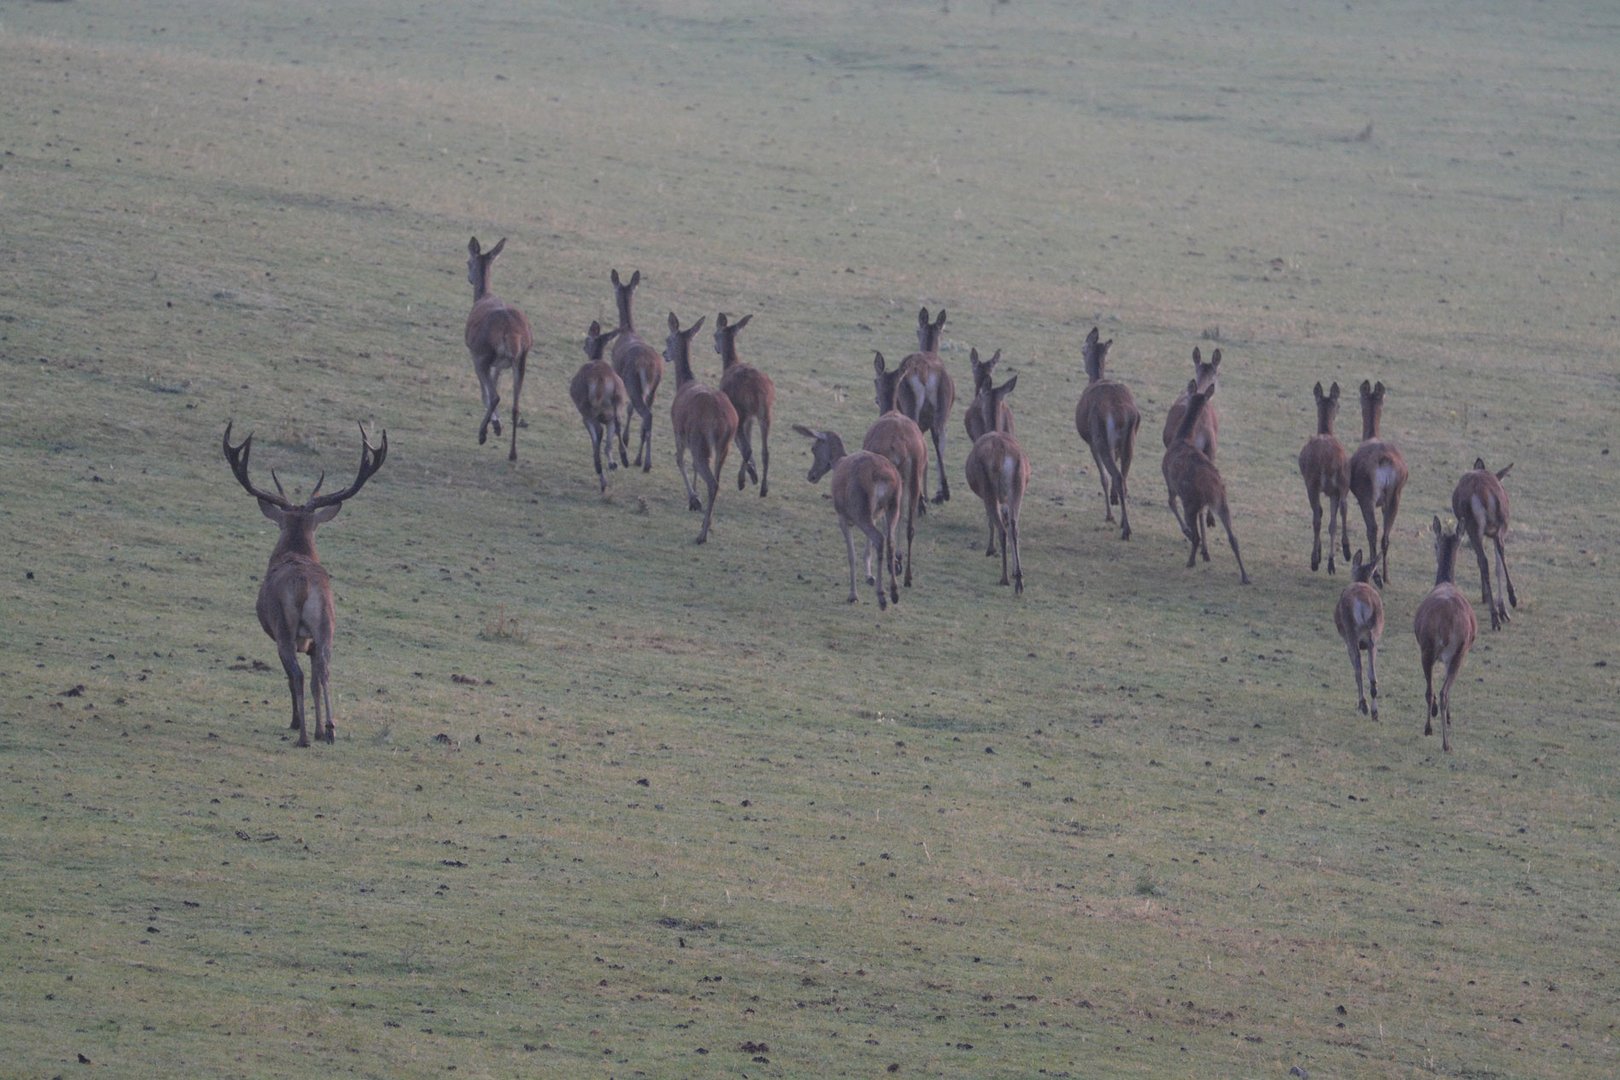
(472, 246)
(674, 324)
(1198, 356)
(1091, 338)
(877, 362)
(271, 510)
(595, 330)
(1479, 464)
(742, 322)
(806, 432)
(939, 320)
(1192, 387)
(326, 513)
(1333, 394)
(500, 245)
(1438, 531)
(1378, 389)
(922, 316)
(1317, 390)
(720, 321)
(1007, 387)
(635, 279)
(1366, 388)
(1501, 474)
(695, 327)
(1215, 359)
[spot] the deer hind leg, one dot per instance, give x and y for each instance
(765, 456)
(1354, 645)
(598, 434)
(692, 501)
(1507, 580)
(518, 367)
(1231, 538)
(1333, 532)
(644, 449)
(1453, 666)
(990, 519)
(1371, 522)
(1315, 496)
(1392, 503)
(874, 548)
(1428, 690)
(1103, 477)
(1017, 559)
(487, 379)
(320, 667)
(890, 531)
(745, 449)
(944, 493)
(1343, 504)
(912, 497)
(700, 464)
(1372, 674)
(849, 548)
(288, 652)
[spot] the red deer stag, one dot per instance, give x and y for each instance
(926, 393)
(1445, 629)
(639, 365)
(998, 473)
(1204, 432)
(295, 599)
(704, 421)
(753, 395)
(1107, 419)
(866, 496)
(897, 437)
(1481, 505)
(1194, 479)
(988, 410)
(1326, 469)
(599, 395)
(1377, 475)
(1359, 618)
(498, 338)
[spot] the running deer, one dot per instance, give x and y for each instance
(926, 393)
(295, 598)
(866, 496)
(897, 437)
(1107, 419)
(988, 411)
(1360, 621)
(998, 473)
(1326, 469)
(599, 395)
(1377, 475)
(753, 395)
(704, 422)
(1204, 431)
(640, 366)
(498, 337)
(1194, 479)
(1445, 629)
(1481, 505)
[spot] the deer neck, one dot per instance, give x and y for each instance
(297, 540)
(481, 286)
(626, 320)
(1369, 422)
(1324, 422)
(683, 367)
(728, 356)
(1445, 571)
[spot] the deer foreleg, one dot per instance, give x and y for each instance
(1507, 579)
(849, 547)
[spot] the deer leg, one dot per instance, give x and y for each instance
(1316, 533)
(1333, 532)
(1017, 559)
(1001, 534)
(1366, 505)
(320, 660)
(1355, 665)
(288, 651)
(1428, 690)
(1392, 503)
(1453, 666)
(849, 547)
(594, 428)
(492, 401)
(692, 502)
(990, 519)
(874, 542)
(1102, 478)
(944, 493)
(891, 527)
(911, 531)
(1231, 538)
(700, 464)
(765, 458)
(1507, 579)
(745, 450)
(517, 392)
(1343, 502)
(1372, 674)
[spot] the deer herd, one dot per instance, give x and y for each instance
(874, 487)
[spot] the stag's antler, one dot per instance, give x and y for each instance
(371, 459)
(237, 456)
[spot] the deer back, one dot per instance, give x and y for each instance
(998, 469)
(1480, 497)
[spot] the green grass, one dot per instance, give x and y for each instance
(607, 803)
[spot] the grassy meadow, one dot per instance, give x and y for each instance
(607, 803)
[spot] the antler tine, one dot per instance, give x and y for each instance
(371, 459)
(237, 457)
